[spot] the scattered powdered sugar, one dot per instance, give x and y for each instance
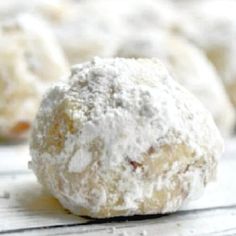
(94, 135)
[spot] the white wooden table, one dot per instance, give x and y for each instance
(26, 209)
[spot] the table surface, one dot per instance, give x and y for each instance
(26, 209)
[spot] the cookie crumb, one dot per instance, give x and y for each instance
(143, 233)
(112, 230)
(29, 165)
(124, 233)
(6, 195)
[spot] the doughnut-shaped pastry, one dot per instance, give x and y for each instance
(189, 66)
(121, 137)
(30, 60)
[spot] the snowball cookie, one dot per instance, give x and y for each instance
(30, 60)
(121, 137)
(211, 25)
(53, 10)
(148, 14)
(189, 67)
(90, 31)
(95, 28)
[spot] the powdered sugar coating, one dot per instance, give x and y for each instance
(147, 142)
(189, 66)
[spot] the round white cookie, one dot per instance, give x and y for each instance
(121, 137)
(91, 30)
(211, 25)
(30, 60)
(95, 28)
(53, 10)
(189, 67)
(148, 15)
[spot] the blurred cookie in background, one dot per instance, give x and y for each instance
(91, 30)
(53, 10)
(211, 25)
(96, 28)
(84, 29)
(189, 66)
(30, 60)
